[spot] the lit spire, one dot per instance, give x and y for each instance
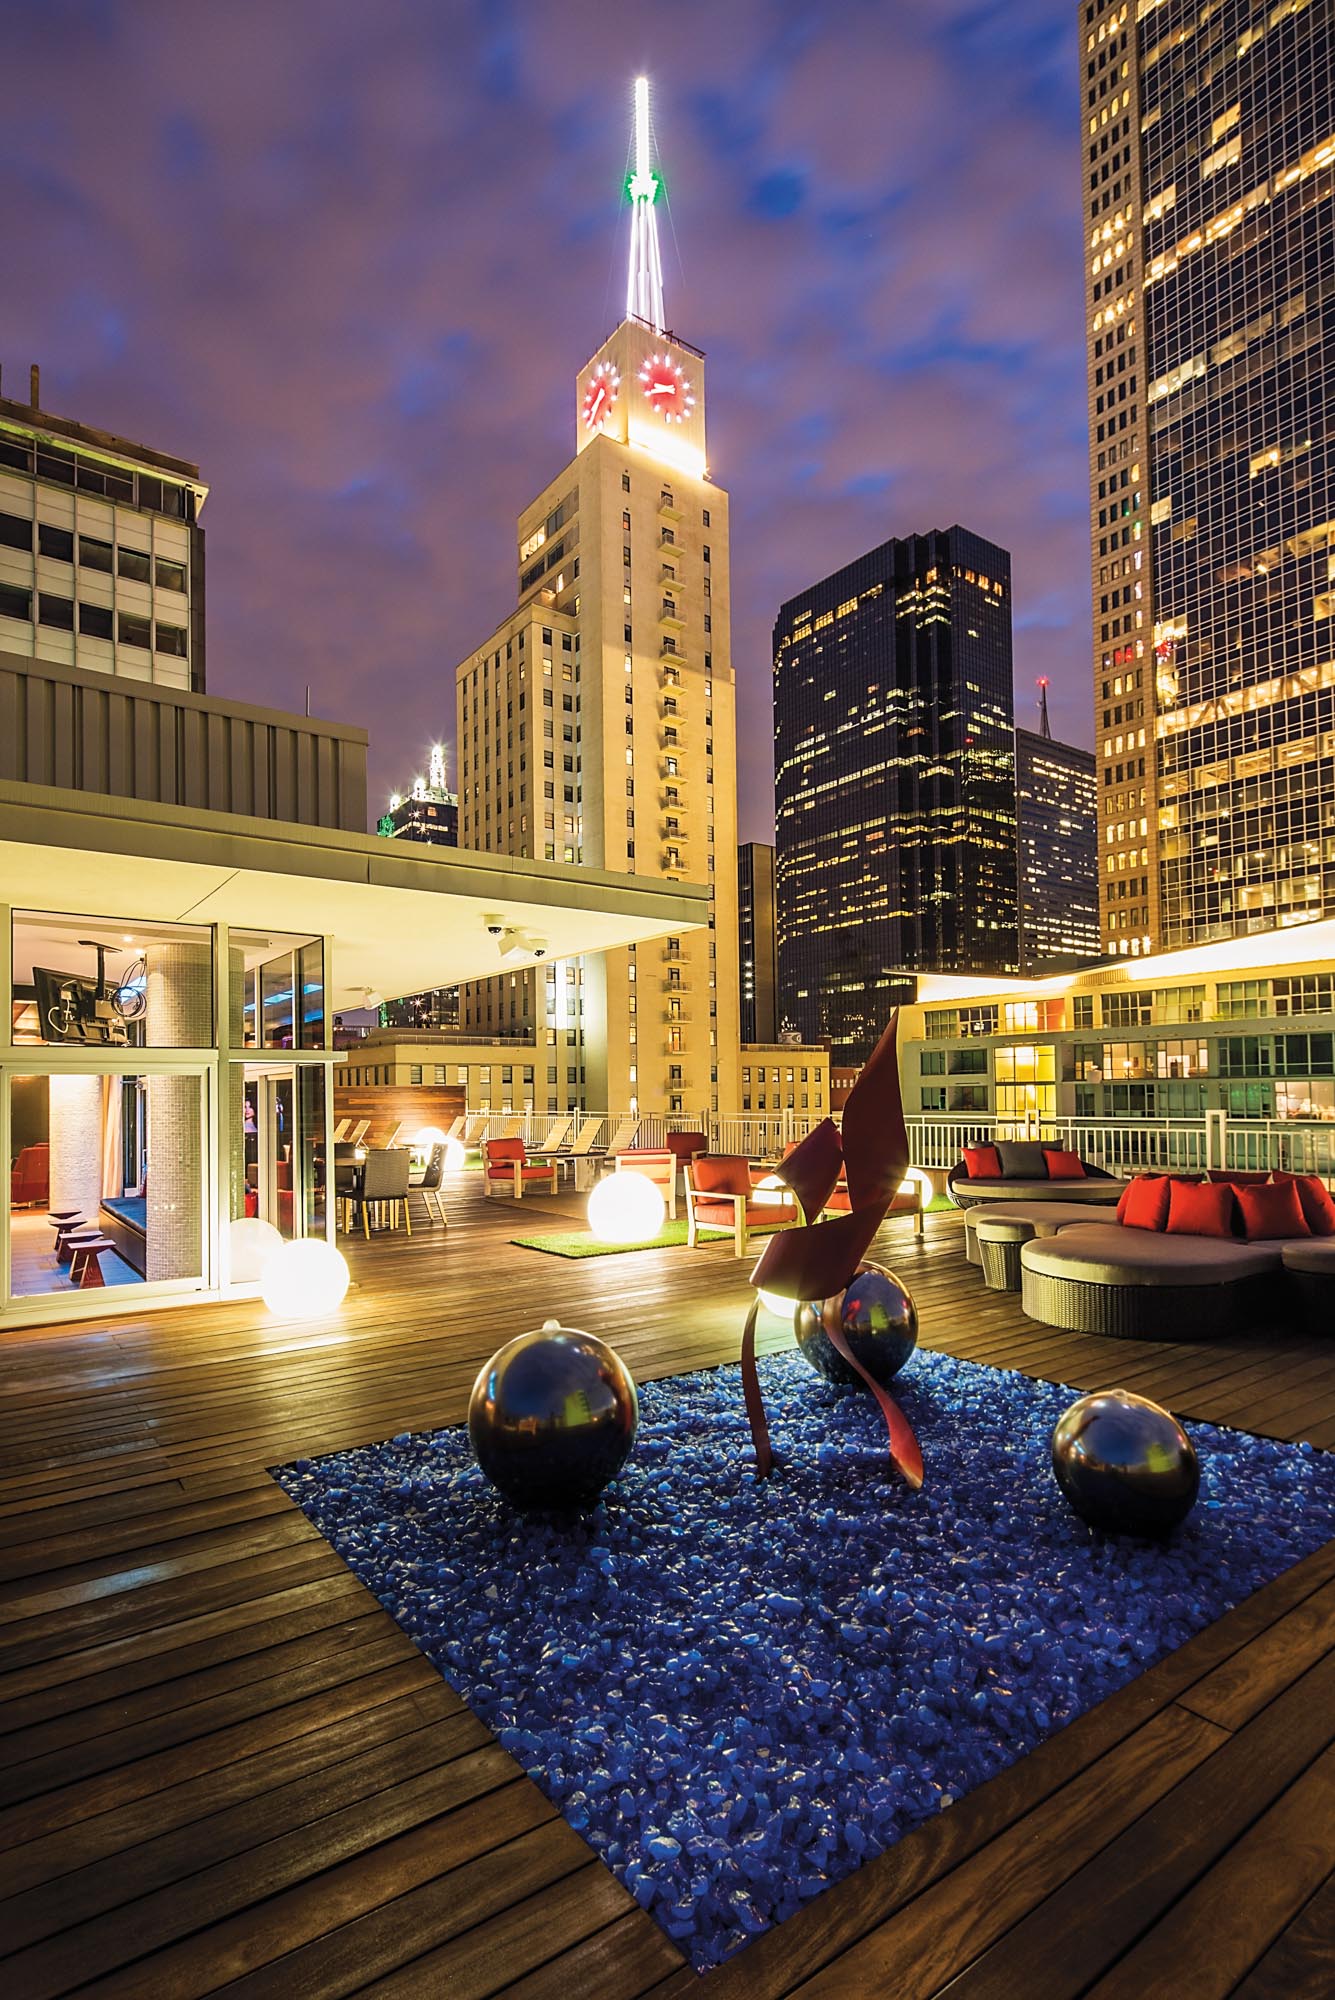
(644, 279)
(1044, 726)
(437, 778)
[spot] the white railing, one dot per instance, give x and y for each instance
(1130, 1145)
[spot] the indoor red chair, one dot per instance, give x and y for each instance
(30, 1178)
(720, 1194)
(507, 1169)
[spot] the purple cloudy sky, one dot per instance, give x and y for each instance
(349, 257)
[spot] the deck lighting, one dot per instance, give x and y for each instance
(304, 1279)
(626, 1208)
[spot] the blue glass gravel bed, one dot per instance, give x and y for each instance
(738, 1692)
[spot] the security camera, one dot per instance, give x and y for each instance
(495, 926)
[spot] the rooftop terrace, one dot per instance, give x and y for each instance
(227, 1766)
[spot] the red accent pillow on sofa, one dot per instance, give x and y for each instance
(1271, 1211)
(1318, 1206)
(982, 1163)
(1064, 1166)
(1195, 1208)
(1145, 1203)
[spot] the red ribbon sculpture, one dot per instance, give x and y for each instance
(819, 1263)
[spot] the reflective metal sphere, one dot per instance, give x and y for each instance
(552, 1417)
(879, 1321)
(1125, 1465)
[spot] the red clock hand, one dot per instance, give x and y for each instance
(598, 399)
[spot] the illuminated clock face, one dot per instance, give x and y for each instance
(666, 389)
(600, 396)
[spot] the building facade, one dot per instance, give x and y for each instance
(596, 726)
(1210, 190)
(1057, 817)
(101, 551)
(895, 839)
(1243, 1030)
(430, 813)
(757, 942)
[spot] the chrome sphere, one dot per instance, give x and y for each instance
(1125, 1465)
(878, 1319)
(552, 1417)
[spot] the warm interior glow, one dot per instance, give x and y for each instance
(301, 1280)
(626, 1208)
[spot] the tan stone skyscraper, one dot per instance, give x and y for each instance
(1209, 162)
(597, 723)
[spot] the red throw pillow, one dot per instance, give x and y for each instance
(1318, 1207)
(1195, 1208)
(982, 1163)
(1145, 1203)
(1064, 1166)
(1271, 1211)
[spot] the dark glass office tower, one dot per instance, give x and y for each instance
(1057, 801)
(1210, 190)
(895, 841)
(756, 965)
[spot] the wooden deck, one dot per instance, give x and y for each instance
(227, 1768)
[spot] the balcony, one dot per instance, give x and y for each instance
(671, 613)
(668, 509)
(670, 649)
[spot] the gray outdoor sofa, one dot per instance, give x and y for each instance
(1024, 1177)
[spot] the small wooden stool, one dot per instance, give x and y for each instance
(85, 1268)
(65, 1221)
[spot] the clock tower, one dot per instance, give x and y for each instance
(597, 725)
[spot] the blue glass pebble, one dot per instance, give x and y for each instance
(737, 1693)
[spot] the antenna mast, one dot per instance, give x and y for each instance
(644, 279)
(1044, 726)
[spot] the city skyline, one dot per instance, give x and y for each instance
(864, 382)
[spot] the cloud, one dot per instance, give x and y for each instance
(350, 261)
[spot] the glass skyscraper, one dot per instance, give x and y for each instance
(895, 837)
(1210, 165)
(1057, 800)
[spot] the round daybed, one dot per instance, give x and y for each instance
(1018, 1221)
(1024, 1177)
(1141, 1284)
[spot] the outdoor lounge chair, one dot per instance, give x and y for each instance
(508, 1170)
(721, 1194)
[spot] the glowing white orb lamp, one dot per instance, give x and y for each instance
(771, 1192)
(916, 1177)
(626, 1208)
(429, 1136)
(304, 1279)
(455, 1156)
(250, 1245)
(781, 1308)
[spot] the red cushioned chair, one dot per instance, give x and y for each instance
(720, 1194)
(30, 1178)
(508, 1170)
(903, 1204)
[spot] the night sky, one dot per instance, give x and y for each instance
(349, 258)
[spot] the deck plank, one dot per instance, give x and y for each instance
(220, 1761)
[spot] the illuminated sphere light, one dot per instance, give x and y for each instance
(454, 1156)
(781, 1308)
(916, 1177)
(250, 1245)
(1125, 1464)
(552, 1417)
(429, 1136)
(304, 1279)
(771, 1192)
(878, 1319)
(626, 1208)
